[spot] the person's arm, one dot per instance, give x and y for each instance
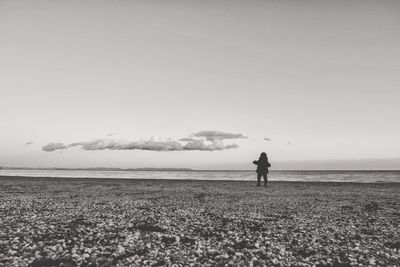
(255, 162)
(269, 164)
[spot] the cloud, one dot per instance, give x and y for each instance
(213, 135)
(215, 140)
(201, 145)
(29, 143)
(54, 146)
(201, 141)
(231, 146)
(267, 139)
(151, 145)
(104, 144)
(187, 139)
(112, 134)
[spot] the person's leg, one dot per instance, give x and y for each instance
(258, 179)
(265, 175)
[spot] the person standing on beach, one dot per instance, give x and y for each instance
(262, 168)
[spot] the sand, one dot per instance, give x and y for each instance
(107, 222)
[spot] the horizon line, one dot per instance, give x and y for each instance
(183, 169)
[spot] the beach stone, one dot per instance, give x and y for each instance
(284, 229)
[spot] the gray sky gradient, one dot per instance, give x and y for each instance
(324, 75)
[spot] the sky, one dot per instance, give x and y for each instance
(212, 84)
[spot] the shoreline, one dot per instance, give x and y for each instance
(49, 178)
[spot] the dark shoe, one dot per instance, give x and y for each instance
(258, 184)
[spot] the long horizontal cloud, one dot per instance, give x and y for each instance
(201, 141)
(103, 144)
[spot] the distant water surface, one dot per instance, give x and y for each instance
(304, 176)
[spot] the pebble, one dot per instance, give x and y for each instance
(176, 228)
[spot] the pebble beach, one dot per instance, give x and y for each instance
(122, 222)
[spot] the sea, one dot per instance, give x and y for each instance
(302, 176)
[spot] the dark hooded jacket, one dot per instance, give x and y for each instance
(262, 164)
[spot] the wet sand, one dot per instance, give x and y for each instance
(107, 222)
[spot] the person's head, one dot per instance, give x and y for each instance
(263, 155)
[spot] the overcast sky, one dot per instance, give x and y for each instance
(301, 80)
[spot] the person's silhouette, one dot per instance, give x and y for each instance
(262, 168)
